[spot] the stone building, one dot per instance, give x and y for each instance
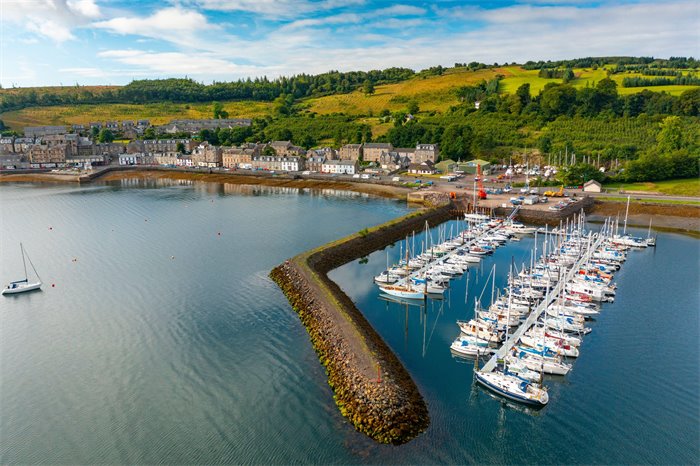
(371, 151)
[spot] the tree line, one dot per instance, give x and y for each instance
(681, 80)
(188, 90)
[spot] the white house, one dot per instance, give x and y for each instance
(592, 186)
(425, 168)
(185, 161)
(292, 164)
(131, 159)
(343, 167)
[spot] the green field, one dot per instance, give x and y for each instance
(157, 113)
(650, 201)
(431, 93)
(683, 187)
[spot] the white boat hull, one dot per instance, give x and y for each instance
(402, 293)
(22, 288)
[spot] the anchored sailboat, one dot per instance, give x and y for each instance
(20, 286)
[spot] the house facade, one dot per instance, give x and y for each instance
(592, 186)
(237, 157)
(195, 126)
(423, 168)
(425, 152)
(42, 153)
(277, 163)
(351, 152)
(165, 158)
(372, 151)
(341, 167)
(315, 162)
(206, 155)
(167, 145)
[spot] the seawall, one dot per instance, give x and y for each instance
(548, 217)
(371, 387)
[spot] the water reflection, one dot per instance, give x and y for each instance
(224, 188)
(429, 311)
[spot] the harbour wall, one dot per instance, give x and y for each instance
(548, 217)
(371, 387)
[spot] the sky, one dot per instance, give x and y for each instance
(64, 42)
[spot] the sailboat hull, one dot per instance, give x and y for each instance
(22, 288)
(401, 292)
(486, 381)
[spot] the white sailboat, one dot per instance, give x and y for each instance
(21, 286)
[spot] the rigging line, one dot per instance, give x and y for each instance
(33, 268)
(442, 305)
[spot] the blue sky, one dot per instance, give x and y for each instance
(52, 42)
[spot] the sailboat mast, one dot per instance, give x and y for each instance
(24, 262)
(627, 211)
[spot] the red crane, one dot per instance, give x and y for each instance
(482, 192)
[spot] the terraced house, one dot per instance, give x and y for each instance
(340, 167)
(278, 163)
(237, 157)
(206, 155)
(351, 152)
(371, 151)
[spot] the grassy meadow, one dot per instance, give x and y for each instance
(680, 187)
(158, 113)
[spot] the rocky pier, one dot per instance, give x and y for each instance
(370, 386)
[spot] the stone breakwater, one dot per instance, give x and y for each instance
(548, 217)
(371, 387)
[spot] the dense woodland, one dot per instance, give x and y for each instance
(642, 136)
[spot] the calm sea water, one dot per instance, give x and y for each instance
(158, 338)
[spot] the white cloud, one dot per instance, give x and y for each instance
(56, 31)
(87, 8)
(277, 8)
(168, 22)
(343, 18)
(399, 10)
(52, 19)
(174, 63)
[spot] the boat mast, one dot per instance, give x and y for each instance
(24, 263)
(624, 231)
(510, 296)
(493, 283)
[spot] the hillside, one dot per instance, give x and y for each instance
(158, 113)
(432, 93)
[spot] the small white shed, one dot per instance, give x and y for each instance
(592, 186)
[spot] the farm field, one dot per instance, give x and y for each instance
(681, 187)
(159, 113)
(433, 93)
